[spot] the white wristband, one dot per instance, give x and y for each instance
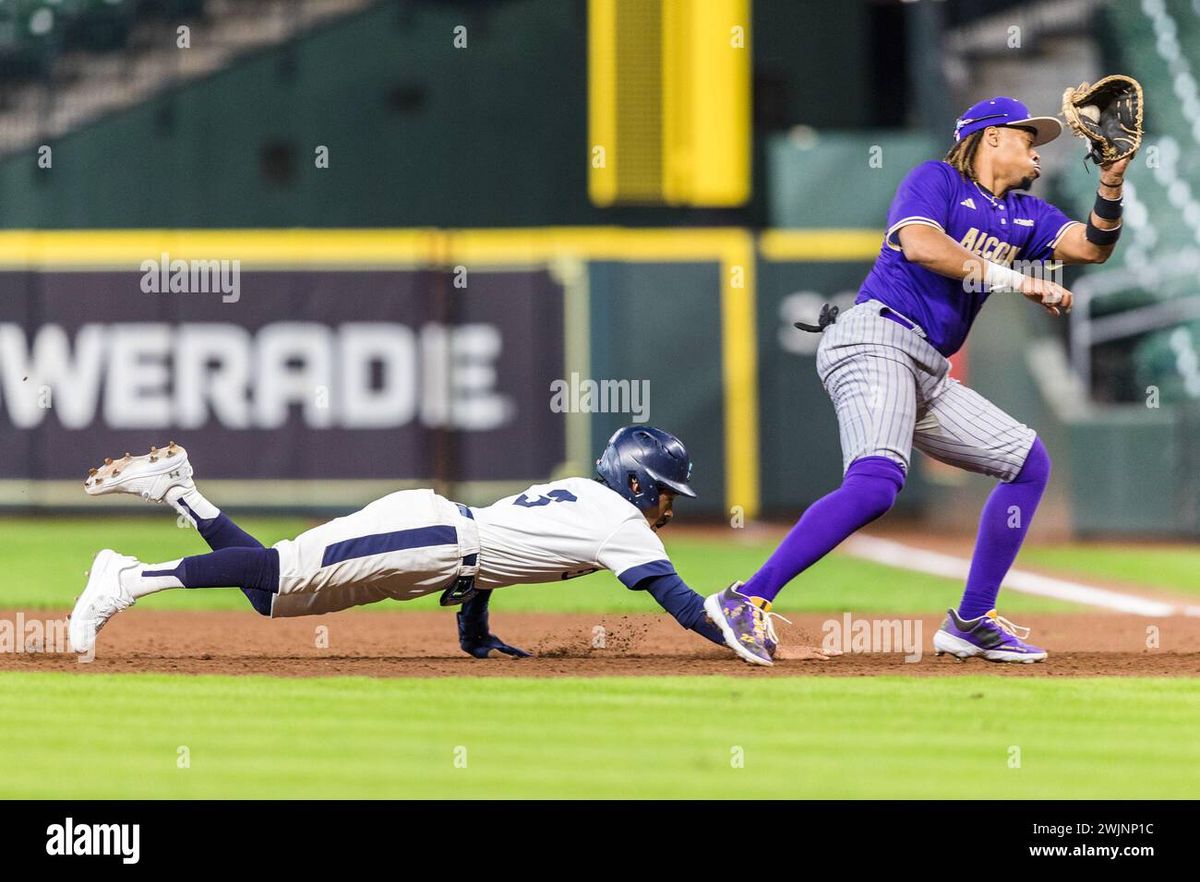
(1002, 279)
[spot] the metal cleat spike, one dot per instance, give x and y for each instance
(108, 460)
(153, 450)
(127, 454)
(91, 472)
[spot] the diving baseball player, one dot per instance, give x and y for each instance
(414, 542)
(953, 233)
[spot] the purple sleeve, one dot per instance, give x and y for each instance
(923, 197)
(1049, 223)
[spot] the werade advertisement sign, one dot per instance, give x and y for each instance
(308, 374)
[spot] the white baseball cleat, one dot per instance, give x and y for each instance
(102, 598)
(149, 476)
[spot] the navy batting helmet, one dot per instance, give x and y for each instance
(656, 458)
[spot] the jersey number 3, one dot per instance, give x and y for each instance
(552, 496)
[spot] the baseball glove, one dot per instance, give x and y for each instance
(1108, 114)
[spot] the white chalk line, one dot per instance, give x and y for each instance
(908, 557)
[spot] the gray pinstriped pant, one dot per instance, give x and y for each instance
(892, 392)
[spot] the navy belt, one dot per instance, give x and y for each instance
(466, 512)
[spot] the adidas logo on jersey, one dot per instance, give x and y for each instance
(969, 202)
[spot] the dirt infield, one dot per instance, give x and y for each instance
(424, 644)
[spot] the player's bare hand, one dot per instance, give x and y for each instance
(1053, 297)
(1112, 173)
(805, 653)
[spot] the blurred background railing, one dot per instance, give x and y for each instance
(65, 62)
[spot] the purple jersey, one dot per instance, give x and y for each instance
(1016, 227)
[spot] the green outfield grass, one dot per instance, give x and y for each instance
(101, 736)
(1175, 568)
(43, 562)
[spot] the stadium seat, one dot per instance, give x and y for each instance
(33, 33)
(1161, 48)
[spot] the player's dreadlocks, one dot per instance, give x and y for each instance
(962, 155)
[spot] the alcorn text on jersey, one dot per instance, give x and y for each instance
(1017, 226)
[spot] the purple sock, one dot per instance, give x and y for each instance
(868, 491)
(1002, 527)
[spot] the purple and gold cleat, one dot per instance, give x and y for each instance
(991, 636)
(745, 623)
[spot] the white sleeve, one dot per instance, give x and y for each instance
(633, 552)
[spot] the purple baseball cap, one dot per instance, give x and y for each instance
(1001, 111)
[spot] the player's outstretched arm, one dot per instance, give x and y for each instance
(684, 604)
(937, 252)
(1095, 241)
(473, 634)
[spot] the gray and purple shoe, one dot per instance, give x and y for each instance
(745, 623)
(991, 636)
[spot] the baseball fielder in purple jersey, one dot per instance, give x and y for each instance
(959, 231)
